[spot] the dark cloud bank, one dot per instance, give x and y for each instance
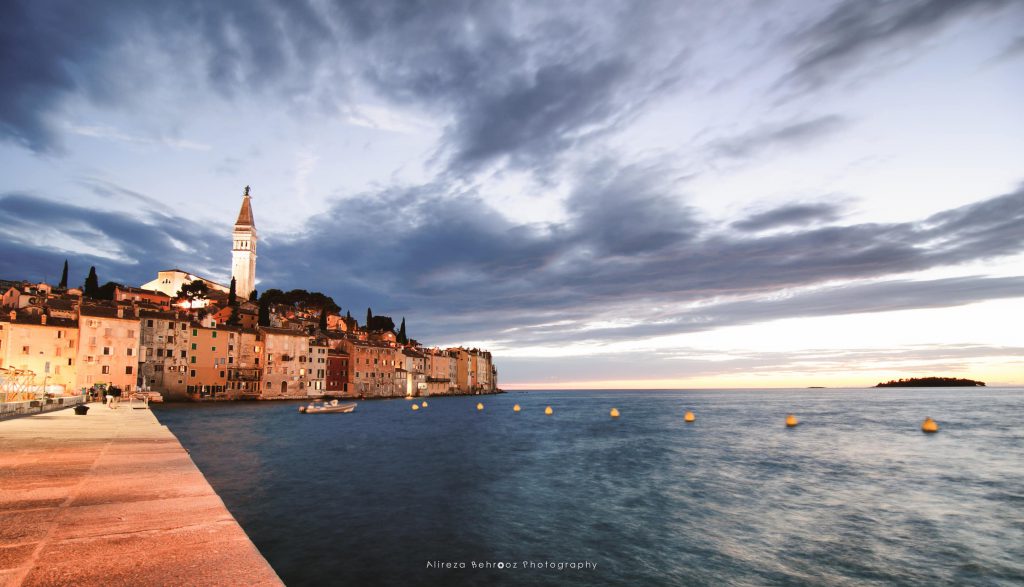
(460, 269)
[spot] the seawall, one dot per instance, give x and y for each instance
(112, 498)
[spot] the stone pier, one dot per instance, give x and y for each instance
(112, 498)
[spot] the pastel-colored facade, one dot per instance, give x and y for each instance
(281, 370)
(108, 347)
(245, 371)
(41, 344)
(438, 365)
(243, 249)
(336, 382)
(414, 367)
(208, 362)
(170, 281)
(316, 368)
(164, 353)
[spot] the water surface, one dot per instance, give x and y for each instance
(854, 495)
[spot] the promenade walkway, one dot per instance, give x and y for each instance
(112, 498)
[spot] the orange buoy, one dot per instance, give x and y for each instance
(614, 413)
(689, 417)
(791, 421)
(929, 426)
(516, 408)
(548, 411)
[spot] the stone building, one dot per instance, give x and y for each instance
(108, 349)
(163, 353)
(281, 370)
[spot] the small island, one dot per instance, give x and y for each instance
(932, 382)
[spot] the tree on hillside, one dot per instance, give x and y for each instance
(234, 319)
(92, 284)
(381, 324)
(323, 319)
(264, 315)
(369, 318)
(106, 291)
(232, 297)
(254, 295)
(64, 276)
(402, 337)
(194, 292)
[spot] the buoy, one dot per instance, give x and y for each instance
(614, 413)
(929, 426)
(516, 408)
(479, 406)
(791, 421)
(688, 416)
(415, 407)
(424, 403)
(548, 411)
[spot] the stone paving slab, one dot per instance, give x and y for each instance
(112, 498)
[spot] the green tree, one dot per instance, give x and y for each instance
(64, 276)
(194, 292)
(369, 318)
(264, 315)
(323, 319)
(92, 284)
(254, 295)
(232, 297)
(402, 337)
(234, 319)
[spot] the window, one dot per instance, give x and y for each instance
(170, 326)
(222, 374)
(182, 354)
(106, 369)
(215, 335)
(128, 370)
(69, 362)
(195, 332)
(60, 334)
(159, 352)
(213, 348)
(193, 346)
(170, 340)
(192, 373)
(184, 326)
(231, 360)
(24, 350)
(131, 351)
(193, 359)
(149, 323)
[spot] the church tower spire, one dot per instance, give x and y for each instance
(243, 249)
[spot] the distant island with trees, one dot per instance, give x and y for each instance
(932, 382)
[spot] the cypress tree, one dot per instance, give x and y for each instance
(254, 295)
(92, 284)
(323, 319)
(232, 297)
(264, 316)
(369, 318)
(402, 337)
(64, 276)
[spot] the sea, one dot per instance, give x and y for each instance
(451, 495)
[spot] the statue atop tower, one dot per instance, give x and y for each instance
(243, 249)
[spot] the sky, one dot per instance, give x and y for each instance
(634, 194)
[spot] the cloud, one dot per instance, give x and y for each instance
(631, 261)
(856, 30)
(791, 135)
(790, 215)
(516, 83)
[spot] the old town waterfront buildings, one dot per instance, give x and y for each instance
(208, 346)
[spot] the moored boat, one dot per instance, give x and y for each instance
(332, 407)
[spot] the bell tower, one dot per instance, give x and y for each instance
(243, 249)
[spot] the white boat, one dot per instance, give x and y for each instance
(332, 407)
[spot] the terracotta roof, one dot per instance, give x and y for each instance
(37, 320)
(283, 331)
